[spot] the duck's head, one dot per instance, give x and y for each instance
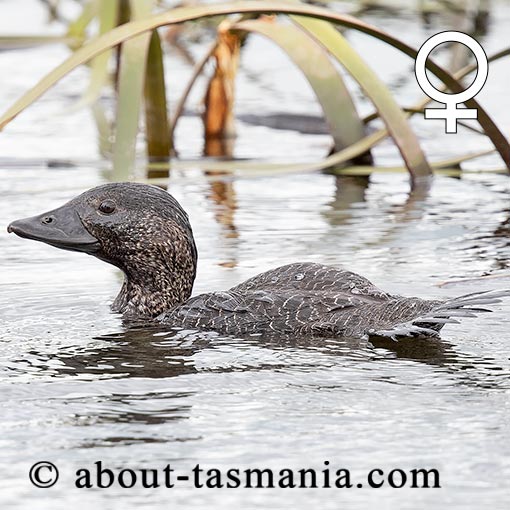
(140, 229)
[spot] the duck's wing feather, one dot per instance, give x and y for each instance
(264, 311)
(308, 276)
(316, 300)
(301, 298)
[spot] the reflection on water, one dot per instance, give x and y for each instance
(348, 192)
(223, 195)
(156, 353)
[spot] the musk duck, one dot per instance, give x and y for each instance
(143, 231)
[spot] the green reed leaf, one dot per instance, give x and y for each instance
(325, 80)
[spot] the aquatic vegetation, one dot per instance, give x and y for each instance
(139, 80)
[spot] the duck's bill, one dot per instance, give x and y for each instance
(61, 228)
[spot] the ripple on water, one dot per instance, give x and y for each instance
(75, 384)
(76, 387)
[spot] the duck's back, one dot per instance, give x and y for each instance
(298, 299)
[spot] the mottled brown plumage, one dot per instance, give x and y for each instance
(144, 231)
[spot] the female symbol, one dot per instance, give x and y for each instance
(451, 113)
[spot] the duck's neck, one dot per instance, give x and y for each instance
(156, 285)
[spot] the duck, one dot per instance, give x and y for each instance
(143, 230)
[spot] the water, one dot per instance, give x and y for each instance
(76, 387)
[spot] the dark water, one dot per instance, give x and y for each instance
(76, 387)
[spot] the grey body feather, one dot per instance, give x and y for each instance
(307, 299)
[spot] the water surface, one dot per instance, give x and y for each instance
(77, 387)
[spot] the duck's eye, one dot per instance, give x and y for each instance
(107, 207)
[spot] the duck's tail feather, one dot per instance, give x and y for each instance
(447, 312)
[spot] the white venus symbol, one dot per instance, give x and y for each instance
(451, 113)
